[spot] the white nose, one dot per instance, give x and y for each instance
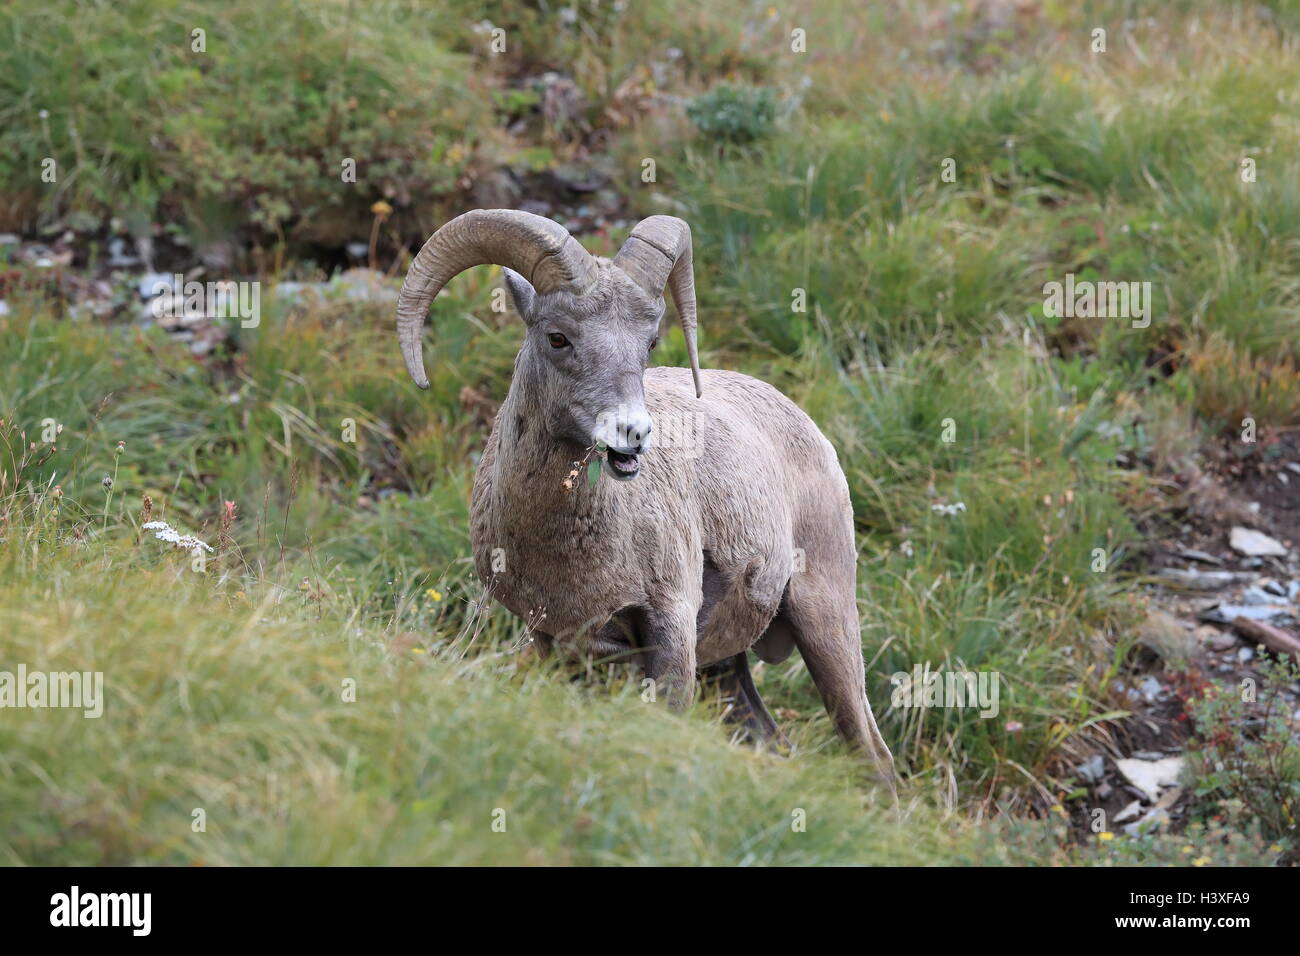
(624, 429)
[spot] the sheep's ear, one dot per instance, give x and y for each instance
(662, 305)
(521, 293)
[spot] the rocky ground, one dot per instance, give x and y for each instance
(1224, 597)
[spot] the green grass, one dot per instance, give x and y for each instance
(249, 721)
(923, 353)
(230, 687)
(246, 138)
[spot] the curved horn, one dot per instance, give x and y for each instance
(658, 252)
(540, 250)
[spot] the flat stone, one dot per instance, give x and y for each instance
(1192, 554)
(1130, 812)
(1202, 580)
(1155, 818)
(1227, 613)
(1257, 595)
(1092, 769)
(1255, 544)
(1151, 776)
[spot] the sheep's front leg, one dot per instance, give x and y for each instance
(668, 652)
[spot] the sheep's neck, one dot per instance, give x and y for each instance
(531, 464)
(549, 533)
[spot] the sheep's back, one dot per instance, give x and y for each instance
(760, 467)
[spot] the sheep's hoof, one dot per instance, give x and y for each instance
(743, 707)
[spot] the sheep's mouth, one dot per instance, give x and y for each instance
(621, 466)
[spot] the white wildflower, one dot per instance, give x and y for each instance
(165, 532)
(949, 510)
(1110, 430)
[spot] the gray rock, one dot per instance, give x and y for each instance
(153, 284)
(360, 285)
(1191, 554)
(1203, 580)
(1255, 544)
(1257, 595)
(366, 285)
(1227, 613)
(118, 258)
(1155, 818)
(1130, 812)
(1151, 689)
(1151, 776)
(1092, 769)
(295, 290)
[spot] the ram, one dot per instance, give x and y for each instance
(735, 535)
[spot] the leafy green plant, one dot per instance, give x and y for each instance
(1255, 762)
(734, 114)
(259, 116)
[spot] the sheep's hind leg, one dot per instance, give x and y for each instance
(745, 707)
(826, 632)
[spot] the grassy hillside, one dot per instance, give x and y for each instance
(922, 349)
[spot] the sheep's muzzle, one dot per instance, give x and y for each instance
(621, 466)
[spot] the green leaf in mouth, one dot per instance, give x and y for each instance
(593, 472)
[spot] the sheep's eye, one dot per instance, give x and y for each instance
(653, 343)
(557, 340)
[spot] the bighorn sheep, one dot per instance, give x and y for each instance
(693, 552)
